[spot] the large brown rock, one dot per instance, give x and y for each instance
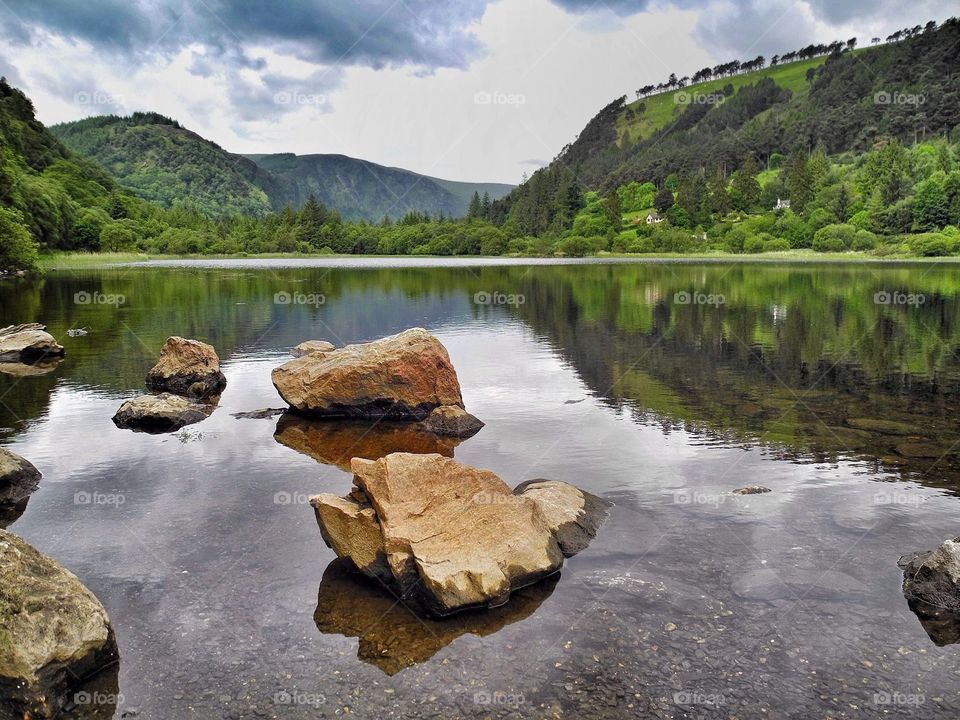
(337, 442)
(18, 478)
(402, 376)
(53, 632)
(187, 367)
(451, 537)
(160, 413)
(27, 343)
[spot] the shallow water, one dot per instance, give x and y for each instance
(691, 602)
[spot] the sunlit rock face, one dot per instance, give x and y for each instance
(403, 376)
(53, 632)
(187, 367)
(450, 537)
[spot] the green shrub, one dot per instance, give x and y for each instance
(776, 245)
(575, 246)
(929, 245)
(754, 244)
(834, 238)
(864, 240)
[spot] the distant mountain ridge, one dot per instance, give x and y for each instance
(166, 163)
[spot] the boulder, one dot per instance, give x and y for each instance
(18, 478)
(572, 515)
(452, 421)
(27, 343)
(336, 442)
(311, 346)
(452, 537)
(934, 577)
(160, 413)
(403, 376)
(187, 367)
(54, 633)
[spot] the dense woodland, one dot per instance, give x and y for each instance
(866, 149)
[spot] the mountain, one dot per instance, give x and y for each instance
(166, 163)
(833, 97)
(361, 190)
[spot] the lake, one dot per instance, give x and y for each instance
(661, 387)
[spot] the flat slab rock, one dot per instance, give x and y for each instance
(451, 537)
(309, 347)
(53, 632)
(27, 343)
(452, 421)
(404, 376)
(18, 478)
(187, 367)
(160, 413)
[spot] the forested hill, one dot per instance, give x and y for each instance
(361, 190)
(835, 98)
(168, 164)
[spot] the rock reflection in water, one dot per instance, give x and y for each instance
(392, 636)
(335, 442)
(941, 625)
(41, 367)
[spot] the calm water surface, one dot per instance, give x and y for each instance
(661, 387)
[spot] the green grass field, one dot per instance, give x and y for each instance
(662, 109)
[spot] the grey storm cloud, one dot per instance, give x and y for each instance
(375, 33)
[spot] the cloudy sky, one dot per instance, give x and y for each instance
(461, 89)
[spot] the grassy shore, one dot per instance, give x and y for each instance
(81, 260)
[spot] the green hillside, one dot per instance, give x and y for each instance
(642, 118)
(163, 162)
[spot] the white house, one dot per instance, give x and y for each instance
(782, 205)
(653, 219)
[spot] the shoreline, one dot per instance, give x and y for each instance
(82, 260)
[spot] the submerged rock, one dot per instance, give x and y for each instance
(336, 442)
(391, 635)
(884, 427)
(403, 376)
(54, 634)
(751, 490)
(18, 478)
(27, 343)
(452, 421)
(187, 367)
(450, 537)
(260, 414)
(160, 413)
(312, 346)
